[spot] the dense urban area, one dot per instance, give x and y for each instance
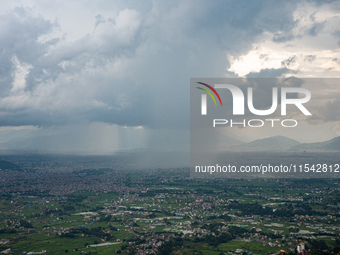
(57, 205)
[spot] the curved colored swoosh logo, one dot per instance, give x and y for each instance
(208, 92)
(212, 89)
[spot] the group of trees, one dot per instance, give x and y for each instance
(318, 245)
(222, 216)
(167, 247)
(214, 240)
(218, 238)
(289, 211)
(25, 224)
(98, 232)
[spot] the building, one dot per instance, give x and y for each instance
(301, 247)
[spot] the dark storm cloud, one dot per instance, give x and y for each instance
(316, 28)
(270, 73)
(310, 58)
(134, 65)
(19, 32)
(282, 37)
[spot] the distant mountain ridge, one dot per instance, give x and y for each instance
(269, 143)
(282, 143)
(330, 145)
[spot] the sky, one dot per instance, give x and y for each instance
(100, 77)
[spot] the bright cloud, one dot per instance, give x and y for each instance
(310, 49)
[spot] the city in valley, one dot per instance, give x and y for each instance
(98, 205)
